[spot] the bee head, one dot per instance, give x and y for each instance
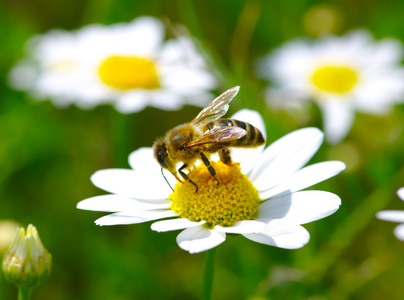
(162, 156)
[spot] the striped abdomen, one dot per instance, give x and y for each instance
(253, 138)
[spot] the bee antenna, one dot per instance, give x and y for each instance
(166, 180)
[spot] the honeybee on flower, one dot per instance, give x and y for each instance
(208, 133)
(259, 196)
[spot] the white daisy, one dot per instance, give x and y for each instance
(263, 202)
(395, 216)
(128, 64)
(342, 74)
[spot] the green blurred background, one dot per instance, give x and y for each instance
(47, 156)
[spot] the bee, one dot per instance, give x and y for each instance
(208, 133)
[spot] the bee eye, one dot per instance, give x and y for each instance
(161, 159)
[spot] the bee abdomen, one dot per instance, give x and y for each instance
(253, 138)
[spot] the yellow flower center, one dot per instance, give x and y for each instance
(334, 79)
(233, 199)
(129, 72)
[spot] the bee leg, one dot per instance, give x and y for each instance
(224, 155)
(210, 168)
(185, 176)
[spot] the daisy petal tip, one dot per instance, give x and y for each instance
(342, 165)
(95, 175)
(298, 246)
(282, 235)
(337, 165)
(155, 228)
(379, 215)
(399, 232)
(199, 239)
(98, 223)
(193, 248)
(310, 135)
(391, 215)
(102, 222)
(316, 132)
(312, 130)
(400, 193)
(186, 247)
(300, 243)
(80, 205)
(98, 177)
(84, 205)
(88, 204)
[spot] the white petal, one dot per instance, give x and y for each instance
(338, 117)
(305, 177)
(182, 50)
(198, 239)
(115, 203)
(300, 207)
(143, 159)
(132, 102)
(243, 227)
(278, 98)
(174, 224)
(399, 232)
(282, 235)
(199, 98)
(185, 79)
(166, 99)
(131, 184)
(289, 63)
(391, 215)
(387, 52)
(400, 193)
(144, 35)
(52, 47)
(23, 76)
(379, 91)
(247, 157)
(285, 156)
(134, 217)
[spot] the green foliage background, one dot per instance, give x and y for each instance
(47, 156)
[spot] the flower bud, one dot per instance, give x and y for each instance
(27, 263)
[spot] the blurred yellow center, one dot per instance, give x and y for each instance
(335, 79)
(129, 72)
(233, 199)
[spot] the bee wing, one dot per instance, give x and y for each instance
(219, 135)
(216, 108)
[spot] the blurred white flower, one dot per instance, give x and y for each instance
(127, 64)
(395, 216)
(341, 74)
(263, 202)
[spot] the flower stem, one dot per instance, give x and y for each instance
(24, 293)
(208, 275)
